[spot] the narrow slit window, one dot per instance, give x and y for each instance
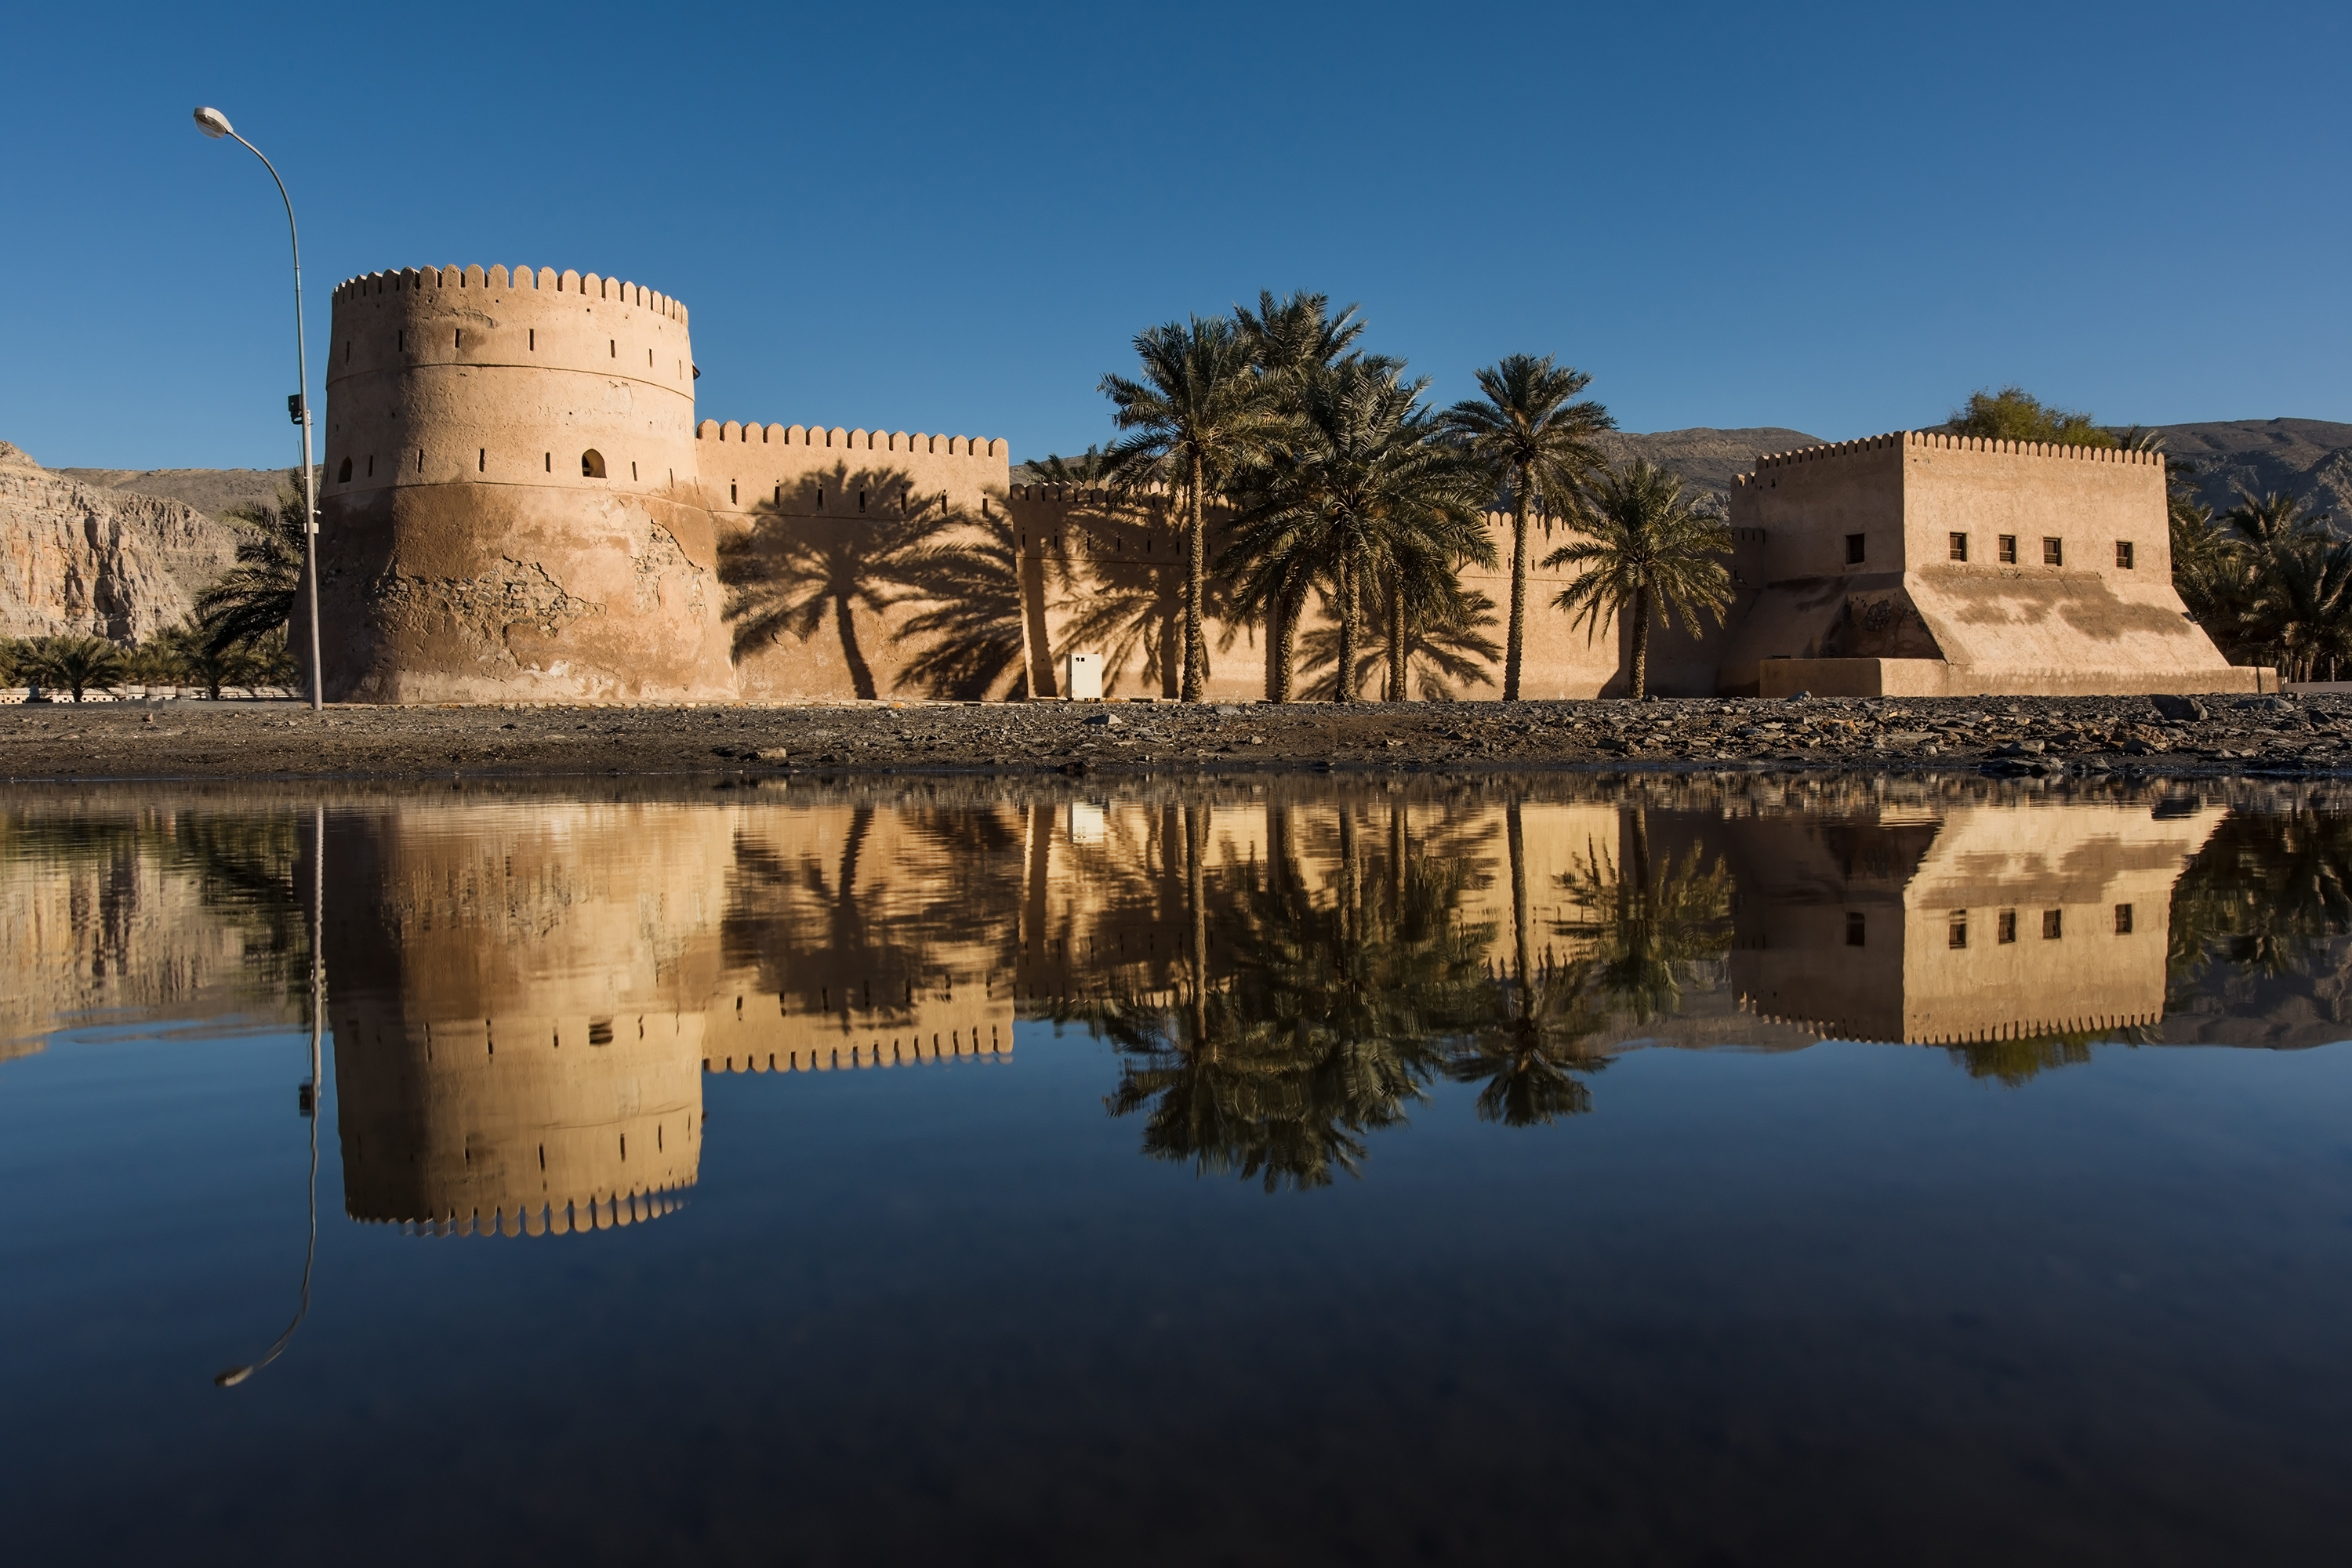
(2005, 928)
(457, 338)
(2008, 550)
(400, 342)
(2122, 919)
(482, 461)
(1853, 549)
(1960, 547)
(2053, 552)
(370, 465)
(420, 459)
(861, 501)
(534, 339)
(550, 462)
(2123, 554)
(614, 345)
(347, 350)
(633, 470)
(730, 491)
(2054, 924)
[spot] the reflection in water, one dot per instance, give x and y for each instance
(525, 992)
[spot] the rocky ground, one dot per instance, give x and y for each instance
(2049, 738)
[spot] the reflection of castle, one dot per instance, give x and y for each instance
(1970, 923)
(517, 998)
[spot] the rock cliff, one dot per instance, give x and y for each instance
(81, 560)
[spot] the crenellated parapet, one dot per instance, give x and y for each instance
(1770, 466)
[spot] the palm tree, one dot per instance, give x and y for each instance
(1643, 547)
(1199, 413)
(791, 573)
(2302, 610)
(1291, 342)
(1365, 488)
(71, 663)
(2271, 519)
(1537, 439)
(255, 597)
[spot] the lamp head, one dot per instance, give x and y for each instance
(212, 124)
(232, 1377)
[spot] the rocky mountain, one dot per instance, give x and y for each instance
(213, 492)
(85, 560)
(2310, 460)
(1706, 458)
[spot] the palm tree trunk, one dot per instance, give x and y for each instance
(1286, 643)
(861, 679)
(1396, 642)
(1196, 547)
(1641, 643)
(1343, 687)
(1516, 653)
(1520, 942)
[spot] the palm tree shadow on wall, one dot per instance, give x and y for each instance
(813, 554)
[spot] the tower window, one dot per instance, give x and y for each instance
(861, 501)
(2053, 552)
(1960, 547)
(614, 344)
(2123, 554)
(370, 465)
(400, 342)
(534, 339)
(482, 462)
(2054, 924)
(2122, 919)
(457, 338)
(730, 490)
(1957, 933)
(591, 464)
(2008, 550)
(633, 470)
(1854, 550)
(1856, 928)
(2005, 929)
(344, 474)
(550, 462)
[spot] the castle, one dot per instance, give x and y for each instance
(520, 504)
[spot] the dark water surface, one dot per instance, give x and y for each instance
(1298, 1173)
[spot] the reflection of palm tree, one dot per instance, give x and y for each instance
(1642, 927)
(818, 920)
(1329, 1021)
(789, 570)
(1530, 1051)
(2261, 895)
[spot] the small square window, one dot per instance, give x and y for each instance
(1960, 547)
(1957, 935)
(2008, 550)
(2053, 552)
(2054, 924)
(2007, 927)
(1854, 928)
(1853, 549)
(2123, 554)
(2122, 919)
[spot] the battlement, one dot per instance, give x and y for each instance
(817, 436)
(1940, 441)
(417, 279)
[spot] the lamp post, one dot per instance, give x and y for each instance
(215, 124)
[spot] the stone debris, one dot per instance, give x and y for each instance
(2001, 737)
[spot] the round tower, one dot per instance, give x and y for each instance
(511, 507)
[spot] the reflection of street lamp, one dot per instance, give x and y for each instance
(308, 1094)
(215, 124)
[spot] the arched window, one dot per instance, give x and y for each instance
(591, 464)
(344, 474)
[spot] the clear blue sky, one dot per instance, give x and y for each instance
(954, 219)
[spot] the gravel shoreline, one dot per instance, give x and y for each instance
(1999, 737)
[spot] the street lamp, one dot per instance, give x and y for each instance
(215, 124)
